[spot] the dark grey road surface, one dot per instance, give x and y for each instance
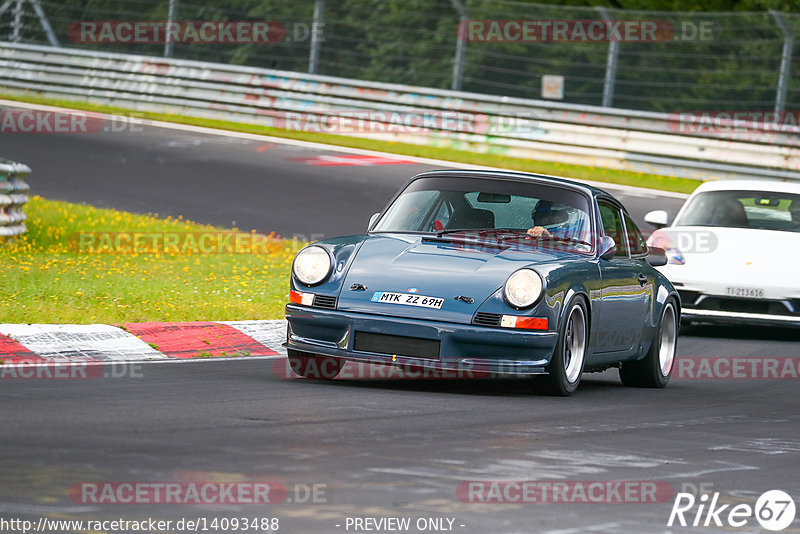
(400, 447)
(383, 448)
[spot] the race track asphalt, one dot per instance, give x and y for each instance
(226, 181)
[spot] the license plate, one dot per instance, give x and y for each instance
(746, 292)
(407, 299)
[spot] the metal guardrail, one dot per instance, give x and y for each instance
(541, 130)
(13, 196)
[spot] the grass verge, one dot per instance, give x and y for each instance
(44, 278)
(598, 174)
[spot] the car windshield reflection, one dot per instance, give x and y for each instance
(501, 211)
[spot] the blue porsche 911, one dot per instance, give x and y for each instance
(495, 272)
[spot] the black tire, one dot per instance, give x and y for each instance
(655, 370)
(566, 365)
(313, 366)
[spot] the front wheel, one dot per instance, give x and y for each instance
(566, 365)
(655, 370)
(313, 366)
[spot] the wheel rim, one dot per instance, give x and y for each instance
(669, 335)
(574, 344)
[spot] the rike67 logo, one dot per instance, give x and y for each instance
(774, 510)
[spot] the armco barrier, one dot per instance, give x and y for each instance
(13, 196)
(595, 136)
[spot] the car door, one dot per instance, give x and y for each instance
(624, 297)
(646, 275)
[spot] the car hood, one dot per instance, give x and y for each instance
(404, 263)
(718, 258)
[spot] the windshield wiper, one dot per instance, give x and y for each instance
(524, 231)
(440, 233)
(568, 240)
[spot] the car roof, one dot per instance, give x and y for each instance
(777, 186)
(518, 176)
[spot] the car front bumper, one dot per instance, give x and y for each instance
(462, 346)
(734, 297)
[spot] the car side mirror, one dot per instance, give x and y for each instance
(657, 218)
(608, 249)
(656, 256)
(372, 221)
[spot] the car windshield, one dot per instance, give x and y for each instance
(491, 209)
(762, 210)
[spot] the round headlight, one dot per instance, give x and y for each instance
(523, 288)
(312, 265)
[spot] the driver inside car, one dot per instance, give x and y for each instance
(794, 211)
(551, 221)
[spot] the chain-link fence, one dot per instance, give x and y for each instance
(694, 61)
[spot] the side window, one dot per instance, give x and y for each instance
(636, 241)
(612, 227)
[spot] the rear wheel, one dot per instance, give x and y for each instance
(655, 370)
(566, 365)
(313, 366)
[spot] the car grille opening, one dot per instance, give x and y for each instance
(487, 319)
(397, 345)
(728, 304)
(325, 301)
